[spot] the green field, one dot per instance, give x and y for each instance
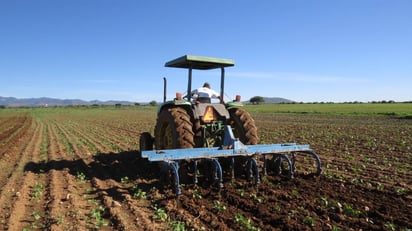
(392, 109)
(397, 109)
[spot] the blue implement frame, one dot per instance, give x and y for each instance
(231, 148)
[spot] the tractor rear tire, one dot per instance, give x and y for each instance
(243, 126)
(174, 129)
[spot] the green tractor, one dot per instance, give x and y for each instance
(184, 122)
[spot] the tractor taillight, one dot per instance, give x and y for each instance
(179, 96)
(210, 115)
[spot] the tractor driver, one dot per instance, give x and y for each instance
(205, 93)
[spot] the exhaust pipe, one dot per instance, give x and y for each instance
(164, 89)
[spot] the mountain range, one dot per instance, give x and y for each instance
(45, 101)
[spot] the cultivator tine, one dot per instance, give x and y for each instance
(319, 168)
(291, 166)
(278, 164)
(232, 168)
(217, 173)
(195, 181)
(318, 163)
(311, 153)
(253, 169)
(265, 165)
(173, 166)
(293, 161)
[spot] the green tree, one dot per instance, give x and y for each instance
(153, 103)
(257, 100)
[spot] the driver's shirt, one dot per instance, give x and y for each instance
(204, 92)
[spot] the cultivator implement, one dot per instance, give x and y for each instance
(231, 149)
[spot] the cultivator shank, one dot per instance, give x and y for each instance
(231, 148)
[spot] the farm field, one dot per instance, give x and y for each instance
(79, 169)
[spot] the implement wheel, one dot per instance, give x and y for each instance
(146, 141)
(174, 129)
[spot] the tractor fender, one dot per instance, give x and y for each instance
(176, 103)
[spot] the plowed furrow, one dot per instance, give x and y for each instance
(187, 210)
(113, 174)
(114, 140)
(119, 129)
(10, 138)
(11, 159)
(19, 190)
(74, 205)
(107, 137)
(95, 144)
(61, 213)
(370, 174)
(72, 142)
(6, 124)
(111, 196)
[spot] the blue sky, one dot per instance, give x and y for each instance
(320, 50)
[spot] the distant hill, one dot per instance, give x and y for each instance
(271, 100)
(44, 101)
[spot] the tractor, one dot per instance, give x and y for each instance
(188, 132)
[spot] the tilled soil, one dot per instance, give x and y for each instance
(79, 169)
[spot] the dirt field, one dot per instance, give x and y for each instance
(78, 169)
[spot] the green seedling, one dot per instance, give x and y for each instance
(245, 223)
(159, 214)
(177, 226)
(81, 177)
(124, 180)
(138, 193)
(218, 206)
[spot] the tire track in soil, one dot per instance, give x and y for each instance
(17, 191)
